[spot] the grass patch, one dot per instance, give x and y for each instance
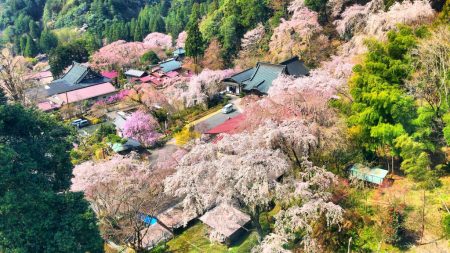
(195, 239)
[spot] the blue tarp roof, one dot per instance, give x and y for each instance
(373, 175)
(147, 219)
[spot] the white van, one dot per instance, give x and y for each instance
(227, 109)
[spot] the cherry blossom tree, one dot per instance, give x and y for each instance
(313, 189)
(296, 35)
(242, 169)
(336, 6)
(358, 22)
(12, 81)
(142, 127)
(174, 89)
(205, 85)
(152, 98)
(158, 40)
(119, 54)
(120, 191)
(251, 44)
(252, 38)
(236, 171)
(181, 40)
(272, 243)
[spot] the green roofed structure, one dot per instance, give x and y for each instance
(263, 77)
(260, 78)
(372, 175)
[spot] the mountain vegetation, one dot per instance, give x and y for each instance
(377, 94)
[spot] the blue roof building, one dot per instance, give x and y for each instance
(259, 79)
(180, 52)
(170, 65)
(372, 175)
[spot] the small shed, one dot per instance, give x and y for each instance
(372, 175)
(227, 221)
(129, 145)
(179, 52)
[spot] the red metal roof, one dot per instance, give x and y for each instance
(172, 74)
(110, 74)
(47, 106)
(153, 79)
(228, 126)
(86, 93)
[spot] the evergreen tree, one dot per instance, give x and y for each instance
(150, 58)
(34, 30)
(22, 44)
(48, 41)
(30, 48)
(157, 25)
(194, 42)
(40, 215)
(64, 55)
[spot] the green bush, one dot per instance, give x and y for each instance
(446, 224)
(160, 248)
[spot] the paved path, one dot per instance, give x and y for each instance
(216, 118)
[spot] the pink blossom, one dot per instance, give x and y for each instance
(158, 40)
(118, 97)
(205, 85)
(359, 22)
(292, 36)
(181, 40)
(252, 38)
(142, 127)
(120, 53)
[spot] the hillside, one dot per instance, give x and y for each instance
(245, 126)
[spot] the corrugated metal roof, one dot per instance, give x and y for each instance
(229, 126)
(86, 93)
(135, 73)
(373, 175)
(170, 65)
(76, 73)
(263, 77)
(78, 77)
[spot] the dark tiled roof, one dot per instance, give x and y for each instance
(263, 77)
(295, 67)
(241, 76)
(77, 77)
(170, 65)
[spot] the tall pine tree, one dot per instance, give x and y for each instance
(30, 48)
(48, 41)
(194, 42)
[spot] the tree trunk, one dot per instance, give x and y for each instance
(257, 224)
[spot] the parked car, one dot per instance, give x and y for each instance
(80, 123)
(227, 109)
(76, 122)
(83, 123)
